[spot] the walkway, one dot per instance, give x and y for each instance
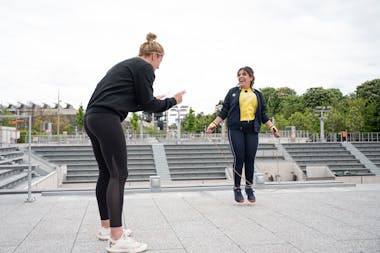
(323, 219)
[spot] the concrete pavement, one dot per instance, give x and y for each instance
(321, 219)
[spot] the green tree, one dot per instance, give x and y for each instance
(321, 97)
(291, 104)
(5, 121)
(335, 121)
(304, 121)
(134, 122)
(281, 122)
(271, 100)
(370, 92)
(79, 119)
(355, 115)
(190, 124)
(202, 121)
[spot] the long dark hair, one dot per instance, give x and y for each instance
(249, 71)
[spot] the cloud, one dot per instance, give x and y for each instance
(69, 45)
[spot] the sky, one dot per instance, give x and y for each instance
(56, 47)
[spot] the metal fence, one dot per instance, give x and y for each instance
(170, 137)
(265, 137)
(351, 137)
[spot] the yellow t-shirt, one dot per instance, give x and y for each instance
(248, 104)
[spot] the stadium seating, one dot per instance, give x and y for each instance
(370, 150)
(82, 166)
(13, 169)
(340, 161)
(206, 161)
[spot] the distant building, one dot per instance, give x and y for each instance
(8, 135)
(46, 114)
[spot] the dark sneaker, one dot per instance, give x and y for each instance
(250, 195)
(238, 196)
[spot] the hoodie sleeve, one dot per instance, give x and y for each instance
(226, 106)
(264, 116)
(144, 79)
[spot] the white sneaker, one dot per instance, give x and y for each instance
(125, 244)
(104, 234)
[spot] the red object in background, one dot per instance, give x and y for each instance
(14, 122)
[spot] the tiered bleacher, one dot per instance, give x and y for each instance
(13, 169)
(82, 166)
(371, 150)
(198, 161)
(206, 161)
(333, 155)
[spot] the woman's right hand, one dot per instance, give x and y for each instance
(178, 96)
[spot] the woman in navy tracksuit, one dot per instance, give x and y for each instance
(244, 108)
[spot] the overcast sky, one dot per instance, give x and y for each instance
(67, 46)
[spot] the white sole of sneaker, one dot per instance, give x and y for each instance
(103, 238)
(127, 232)
(138, 250)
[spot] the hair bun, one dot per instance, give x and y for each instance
(151, 37)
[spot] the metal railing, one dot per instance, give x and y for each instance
(265, 137)
(351, 137)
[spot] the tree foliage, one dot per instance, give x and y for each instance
(79, 119)
(134, 122)
(189, 124)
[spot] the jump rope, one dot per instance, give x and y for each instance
(250, 184)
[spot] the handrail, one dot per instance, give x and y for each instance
(265, 137)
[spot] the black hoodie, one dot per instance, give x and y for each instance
(127, 87)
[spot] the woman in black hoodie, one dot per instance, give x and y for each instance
(127, 87)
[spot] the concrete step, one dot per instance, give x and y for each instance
(198, 170)
(200, 177)
(330, 160)
(94, 166)
(96, 174)
(96, 170)
(90, 156)
(74, 162)
(11, 181)
(14, 160)
(94, 179)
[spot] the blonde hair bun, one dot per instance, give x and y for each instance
(151, 46)
(151, 37)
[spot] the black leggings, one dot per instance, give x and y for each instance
(243, 146)
(108, 143)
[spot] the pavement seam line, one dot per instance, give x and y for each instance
(34, 227)
(80, 225)
(249, 218)
(171, 227)
(217, 227)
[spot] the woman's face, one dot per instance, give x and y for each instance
(244, 79)
(156, 60)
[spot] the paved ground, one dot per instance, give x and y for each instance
(323, 219)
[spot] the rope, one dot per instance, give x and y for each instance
(228, 161)
(233, 168)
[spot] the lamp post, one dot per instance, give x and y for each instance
(181, 111)
(322, 114)
(58, 105)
